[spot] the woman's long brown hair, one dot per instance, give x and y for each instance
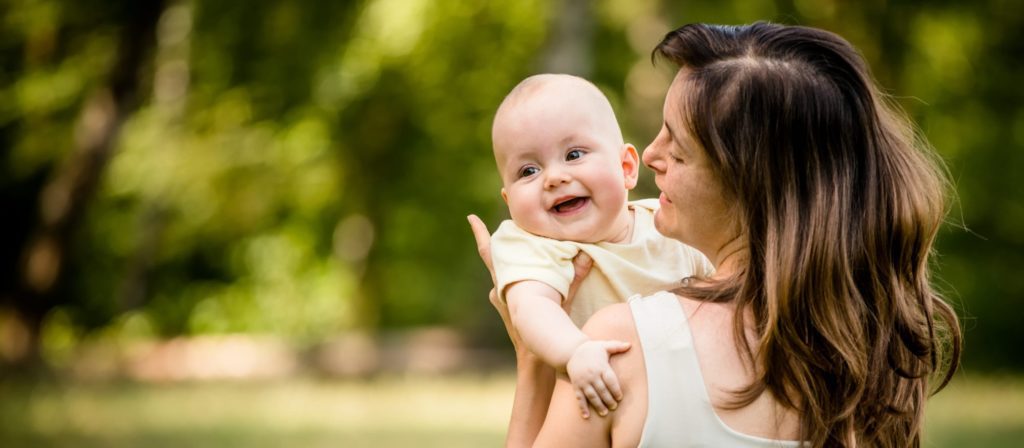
(839, 201)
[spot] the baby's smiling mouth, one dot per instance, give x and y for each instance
(571, 204)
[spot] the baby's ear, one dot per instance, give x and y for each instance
(630, 165)
(504, 195)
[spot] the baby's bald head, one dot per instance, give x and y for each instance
(547, 92)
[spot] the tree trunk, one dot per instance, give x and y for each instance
(67, 194)
(570, 39)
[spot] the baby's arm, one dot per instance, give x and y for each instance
(546, 330)
(535, 309)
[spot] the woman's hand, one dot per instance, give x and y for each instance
(581, 266)
(534, 379)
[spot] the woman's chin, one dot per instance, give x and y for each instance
(662, 227)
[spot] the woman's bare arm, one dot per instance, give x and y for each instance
(534, 379)
(563, 425)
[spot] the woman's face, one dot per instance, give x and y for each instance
(694, 206)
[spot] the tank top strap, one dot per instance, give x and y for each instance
(679, 409)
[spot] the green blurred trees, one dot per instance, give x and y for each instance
(303, 168)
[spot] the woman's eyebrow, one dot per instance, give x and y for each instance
(683, 148)
(671, 134)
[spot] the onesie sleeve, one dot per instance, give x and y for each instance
(519, 255)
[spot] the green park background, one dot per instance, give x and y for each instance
(243, 222)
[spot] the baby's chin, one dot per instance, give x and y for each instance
(585, 236)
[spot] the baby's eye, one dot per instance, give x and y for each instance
(528, 171)
(573, 154)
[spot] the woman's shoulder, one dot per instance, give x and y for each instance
(617, 321)
(611, 322)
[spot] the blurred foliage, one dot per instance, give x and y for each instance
(303, 168)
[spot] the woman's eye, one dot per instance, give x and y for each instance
(573, 155)
(528, 171)
(675, 155)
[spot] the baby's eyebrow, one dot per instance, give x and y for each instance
(517, 161)
(520, 156)
(571, 138)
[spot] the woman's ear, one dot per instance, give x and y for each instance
(630, 165)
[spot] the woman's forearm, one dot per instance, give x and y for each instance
(534, 383)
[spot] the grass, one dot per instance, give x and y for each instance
(450, 412)
(977, 411)
(458, 411)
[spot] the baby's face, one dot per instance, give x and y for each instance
(565, 175)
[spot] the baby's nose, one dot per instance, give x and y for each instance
(556, 176)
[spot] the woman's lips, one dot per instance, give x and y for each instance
(664, 199)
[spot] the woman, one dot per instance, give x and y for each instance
(781, 161)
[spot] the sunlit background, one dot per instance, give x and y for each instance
(242, 223)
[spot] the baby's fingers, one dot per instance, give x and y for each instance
(595, 400)
(606, 396)
(612, 382)
(582, 400)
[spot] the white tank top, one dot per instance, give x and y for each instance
(679, 411)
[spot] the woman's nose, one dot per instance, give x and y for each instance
(651, 159)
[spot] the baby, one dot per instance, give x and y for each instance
(566, 175)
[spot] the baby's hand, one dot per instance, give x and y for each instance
(592, 377)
